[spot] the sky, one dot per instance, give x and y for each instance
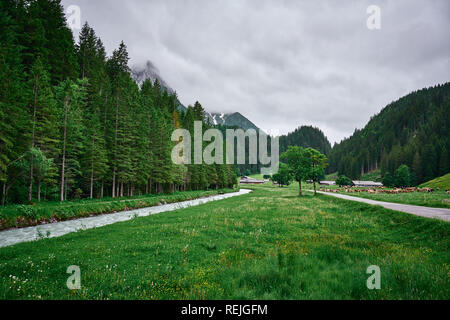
(283, 64)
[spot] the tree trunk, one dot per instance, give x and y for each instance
(39, 190)
(114, 184)
(300, 187)
(101, 191)
(30, 187)
(64, 150)
(6, 188)
(91, 192)
(4, 194)
(315, 191)
(115, 144)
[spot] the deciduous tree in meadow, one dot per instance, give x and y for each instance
(283, 177)
(299, 164)
(317, 162)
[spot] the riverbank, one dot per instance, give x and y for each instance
(21, 216)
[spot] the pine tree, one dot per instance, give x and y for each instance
(92, 61)
(118, 71)
(161, 146)
(59, 44)
(147, 101)
(44, 130)
(87, 51)
(13, 116)
(71, 97)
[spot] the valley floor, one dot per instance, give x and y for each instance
(269, 244)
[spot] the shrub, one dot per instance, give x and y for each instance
(27, 211)
(78, 193)
(283, 176)
(344, 181)
(388, 180)
(402, 177)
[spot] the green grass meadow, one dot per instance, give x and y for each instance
(436, 199)
(270, 244)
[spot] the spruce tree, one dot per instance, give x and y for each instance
(71, 98)
(43, 114)
(14, 119)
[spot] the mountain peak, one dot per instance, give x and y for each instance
(148, 70)
(231, 120)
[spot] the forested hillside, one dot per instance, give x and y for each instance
(73, 123)
(413, 130)
(306, 136)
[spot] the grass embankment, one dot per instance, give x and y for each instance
(16, 216)
(269, 244)
(442, 182)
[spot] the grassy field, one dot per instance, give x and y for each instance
(436, 199)
(442, 182)
(269, 244)
(14, 216)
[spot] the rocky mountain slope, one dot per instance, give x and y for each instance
(140, 73)
(230, 119)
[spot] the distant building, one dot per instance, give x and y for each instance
(358, 183)
(327, 183)
(248, 180)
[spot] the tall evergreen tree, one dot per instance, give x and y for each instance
(71, 98)
(13, 91)
(43, 112)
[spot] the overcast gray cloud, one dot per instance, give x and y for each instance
(286, 63)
